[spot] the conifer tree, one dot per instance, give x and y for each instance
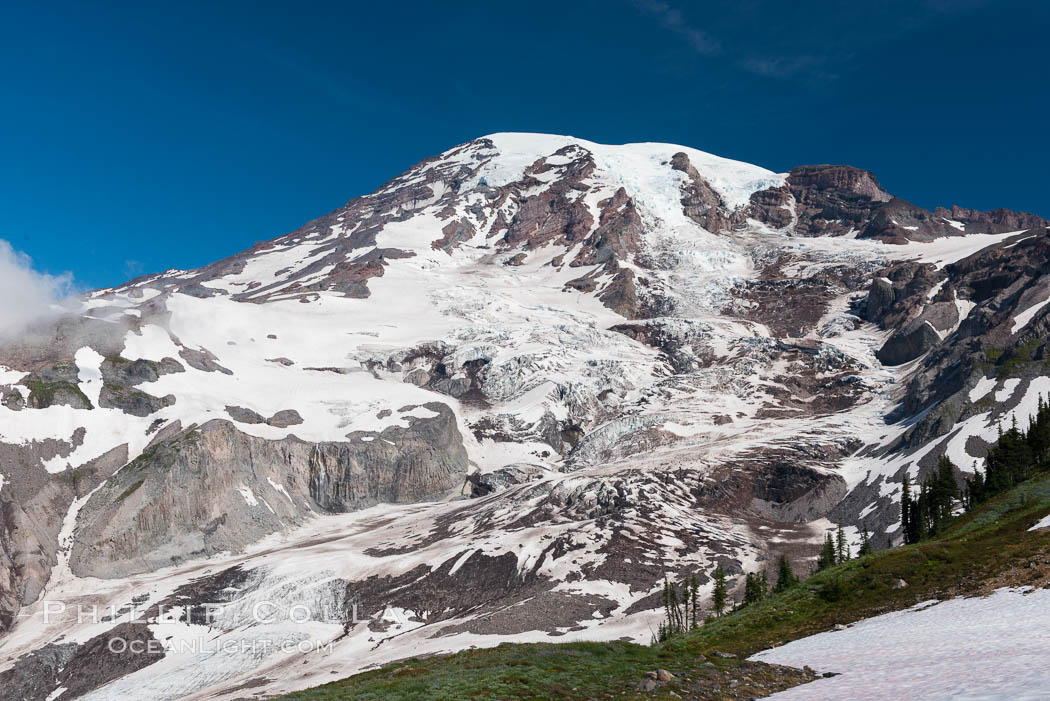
(663, 631)
(786, 577)
(906, 508)
(841, 547)
(827, 553)
(1038, 436)
(686, 595)
(865, 542)
(720, 595)
(920, 515)
(675, 617)
(751, 594)
(694, 586)
(1015, 457)
(975, 489)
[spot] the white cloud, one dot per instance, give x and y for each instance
(26, 295)
(671, 18)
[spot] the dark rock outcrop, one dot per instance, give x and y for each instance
(618, 235)
(832, 200)
(131, 400)
(701, 202)
(56, 385)
(999, 282)
(81, 668)
(908, 343)
(244, 416)
(401, 465)
(995, 221)
(285, 418)
(129, 373)
(498, 480)
(29, 501)
(899, 292)
(828, 200)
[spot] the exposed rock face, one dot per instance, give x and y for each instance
(775, 207)
(838, 181)
(121, 377)
(441, 592)
(132, 401)
(401, 466)
(28, 527)
(557, 215)
(244, 416)
(701, 202)
(203, 360)
(35, 675)
(26, 556)
(909, 343)
(285, 418)
(1000, 283)
(350, 277)
(50, 346)
(56, 386)
(829, 200)
(898, 293)
(898, 221)
(618, 235)
(792, 305)
(881, 297)
(454, 233)
(215, 489)
(785, 492)
(81, 668)
(129, 373)
(483, 484)
(997, 220)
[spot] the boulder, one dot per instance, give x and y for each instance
(285, 418)
(909, 343)
(881, 297)
(244, 416)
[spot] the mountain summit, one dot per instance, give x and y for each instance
(502, 397)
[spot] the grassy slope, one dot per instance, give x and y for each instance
(981, 551)
(556, 671)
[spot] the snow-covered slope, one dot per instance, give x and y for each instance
(499, 398)
(989, 648)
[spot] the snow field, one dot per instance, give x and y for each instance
(978, 649)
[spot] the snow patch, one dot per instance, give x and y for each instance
(249, 496)
(963, 649)
(1022, 319)
(1007, 390)
(1044, 523)
(983, 387)
(280, 488)
(89, 373)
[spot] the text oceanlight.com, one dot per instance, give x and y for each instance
(193, 646)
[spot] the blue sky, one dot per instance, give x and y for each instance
(136, 139)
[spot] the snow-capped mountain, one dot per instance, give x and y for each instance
(501, 398)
